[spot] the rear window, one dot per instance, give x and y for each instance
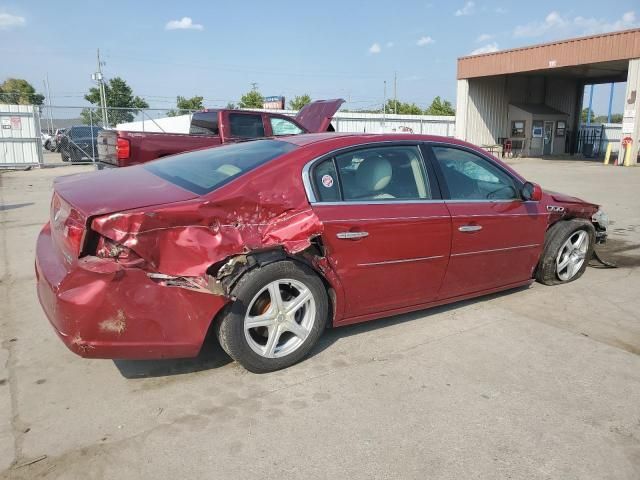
(202, 171)
(204, 123)
(83, 131)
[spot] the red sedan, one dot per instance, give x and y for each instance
(268, 242)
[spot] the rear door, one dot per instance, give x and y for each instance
(497, 237)
(386, 228)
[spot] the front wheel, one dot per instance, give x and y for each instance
(280, 311)
(567, 251)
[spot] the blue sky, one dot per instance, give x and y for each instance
(327, 49)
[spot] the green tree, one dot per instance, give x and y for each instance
(440, 107)
(399, 107)
(19, 91)
(186, 105)
(585, 113)
(118, 94)
(299, 101)
(615, 118)
(251, 99)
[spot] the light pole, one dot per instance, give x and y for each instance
(99, 79)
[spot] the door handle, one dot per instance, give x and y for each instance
(352, 235)
(470, 228)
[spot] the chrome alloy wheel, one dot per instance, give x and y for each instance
(279, 318)
(572, 255)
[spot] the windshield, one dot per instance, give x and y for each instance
(202, 171)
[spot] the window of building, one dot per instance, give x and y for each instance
(561, 128)
(517, 128)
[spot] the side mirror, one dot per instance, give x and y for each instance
(531, 192)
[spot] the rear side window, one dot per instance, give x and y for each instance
(202, 171)
(245, 125)
(471, 177)
(380, 174)
(280, 126)
(204, 123)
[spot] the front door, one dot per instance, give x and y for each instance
(547, 148)
(386, 230)
(496, 237)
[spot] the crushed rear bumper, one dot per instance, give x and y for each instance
(100, 309)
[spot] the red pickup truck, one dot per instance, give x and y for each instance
(209, 128)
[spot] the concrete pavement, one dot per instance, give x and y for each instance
(543, 382)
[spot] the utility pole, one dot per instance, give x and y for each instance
(46, 89)
(254, 86)
(99, 78)
(395, 92)
(384, 106)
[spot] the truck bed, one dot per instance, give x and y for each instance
(147, 146)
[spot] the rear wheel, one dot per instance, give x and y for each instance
(568, 249)
(279, 313)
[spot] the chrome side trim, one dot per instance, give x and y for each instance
(376, 202)
(503, 215)
(495, 250)
(512, 200)
(380, 219)
(306, 182)
(404, 260)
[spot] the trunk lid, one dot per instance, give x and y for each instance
(78, 198)
(316, 116)
(114, 190)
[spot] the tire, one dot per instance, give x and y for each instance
(64, 157)
(551, 268)
(258, 349)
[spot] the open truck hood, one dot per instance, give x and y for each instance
(316, 116)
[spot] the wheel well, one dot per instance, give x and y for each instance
(229, 271)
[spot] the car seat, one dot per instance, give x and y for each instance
(373, 176)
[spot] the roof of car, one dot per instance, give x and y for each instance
(332, 137)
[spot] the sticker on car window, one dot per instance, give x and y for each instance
(327, 181)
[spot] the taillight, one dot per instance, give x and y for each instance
(107, 248)
(68, 224)
(123, 148)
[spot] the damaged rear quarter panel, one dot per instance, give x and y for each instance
(263, 208)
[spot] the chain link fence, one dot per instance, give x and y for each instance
(70, 134)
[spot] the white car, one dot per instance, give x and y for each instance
(47, 140)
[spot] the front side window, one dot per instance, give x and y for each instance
(246, 125)
(471, 177)
(280, 126)
(202, 171)
(380, 173)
